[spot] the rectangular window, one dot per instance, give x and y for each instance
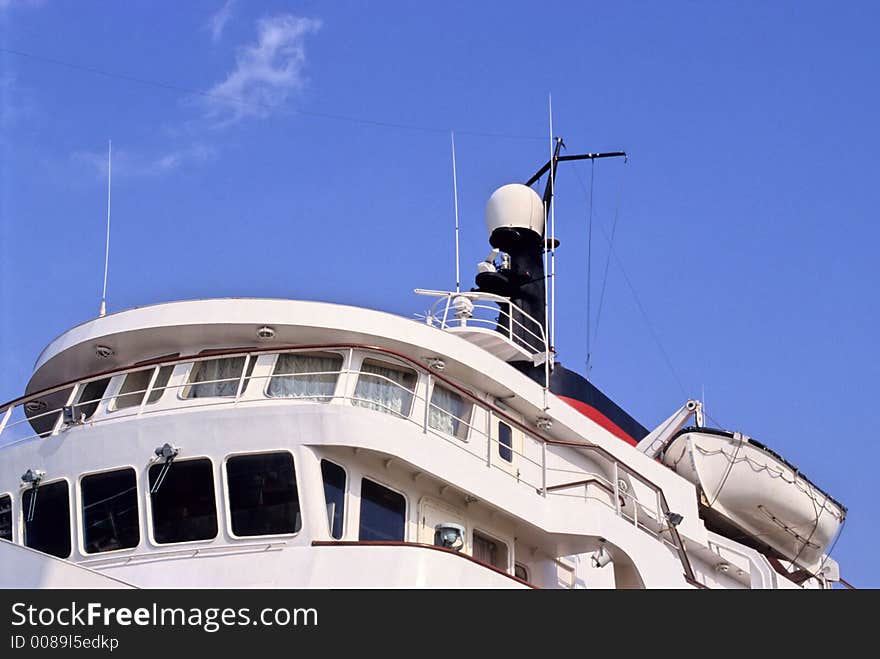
(334, 496)
(449, 412)
(184, 508)
(6, 517)
(520, 571)
(505, 441)
(48, 529)
(383, 513)
(298, 375)
(89, 398)
(214, 378)
(385, 388)
(490, 551)
(263, 498)
(110, 511)
(134, 387)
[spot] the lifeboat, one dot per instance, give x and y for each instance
(752, 494)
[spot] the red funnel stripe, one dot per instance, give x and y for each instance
(592, 413)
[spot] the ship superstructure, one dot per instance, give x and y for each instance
(281, 443)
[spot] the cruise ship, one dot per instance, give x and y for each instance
(268, 443)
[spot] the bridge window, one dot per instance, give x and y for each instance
(263, 498)
(48, 528)
(184, 508)
(505, 441)
(449, 412)
(383, 513)
(110, 511)
(134, 387)
(309, 376)
(334, 496)
(385, 388)
(89, 398)
(491, 551)
(6, 517)
(214, 378)
(520, 571)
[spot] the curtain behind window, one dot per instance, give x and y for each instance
(305, 376)
(449, 412)
(485, 550)
(220, 377)
(384, 388)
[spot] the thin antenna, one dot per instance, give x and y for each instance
(455, 194)
(552, 233)
(103, 310)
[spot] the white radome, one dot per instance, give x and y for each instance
(515, 205)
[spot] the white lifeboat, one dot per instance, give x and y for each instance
(750, 491)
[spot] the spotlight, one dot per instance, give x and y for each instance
(449, 535)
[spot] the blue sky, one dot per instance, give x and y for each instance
(746, 216)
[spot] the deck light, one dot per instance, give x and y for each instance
(601, 557)
(449, 535)
(674, 519)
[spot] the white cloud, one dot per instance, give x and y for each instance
(265, 73)
(217, 23)
(131, 164)
(19, 4)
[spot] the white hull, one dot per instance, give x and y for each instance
(759, 493)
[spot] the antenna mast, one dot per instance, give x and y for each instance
(455, 195)
(552, 235)
(103, 309)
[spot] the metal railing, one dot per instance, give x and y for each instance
(472, 309)
(528, 463)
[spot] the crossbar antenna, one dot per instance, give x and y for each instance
(457, 229)
(103, 310)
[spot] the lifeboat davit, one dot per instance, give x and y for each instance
(751, 493)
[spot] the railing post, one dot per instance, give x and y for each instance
(5, 419)
(543, 468)
(427, 402)
(488, 436)
(244, 368)
(149, 390)
(616, 476)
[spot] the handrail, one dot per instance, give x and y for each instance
(419, 545)
(504, 319)
(529, 432)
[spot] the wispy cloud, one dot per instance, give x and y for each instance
(266, 73)
(19, 4)
(130, 164)
(217, 23)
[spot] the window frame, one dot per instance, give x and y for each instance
(502, 445)
(12, 517)
(466, 423)
(498, 541)
(185, 388)
(101, 404)
(112, 404)
(388, 361)
(346, 492)
(70, 519)
(151, 538)
(227, 508)
(81, 531)
(406, 506)
(306, 399)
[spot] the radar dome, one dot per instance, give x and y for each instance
(516, 206)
